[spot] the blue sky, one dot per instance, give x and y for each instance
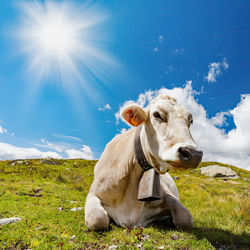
(132, 47)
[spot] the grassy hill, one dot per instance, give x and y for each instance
(42, 192)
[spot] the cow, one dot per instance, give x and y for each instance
(162, 129)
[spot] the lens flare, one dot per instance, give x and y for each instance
(64, 41)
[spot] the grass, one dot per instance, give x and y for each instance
(43, 194)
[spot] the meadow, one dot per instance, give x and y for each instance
(43, 191)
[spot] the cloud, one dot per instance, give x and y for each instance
(158, 43)
(160, 38)
(59, 150)
(177, 51)
(84, 153)
(107, 106)
(168, 69)
(217, 145)
(46, 144)
(67, 137)
(215, 70)
(156, 49)
(66, 150)
(9, 152)
(5, 131)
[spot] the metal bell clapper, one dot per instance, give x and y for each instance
(149, 186)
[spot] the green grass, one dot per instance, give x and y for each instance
(34, 190)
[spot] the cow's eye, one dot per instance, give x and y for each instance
(158, 116)
(191, 122)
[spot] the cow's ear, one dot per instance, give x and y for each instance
(134, 115)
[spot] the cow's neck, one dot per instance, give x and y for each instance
(139, 153)
(144, 144)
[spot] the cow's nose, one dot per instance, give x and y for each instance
(190, 156)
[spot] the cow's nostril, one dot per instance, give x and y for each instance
(185, 153)
(189, 156)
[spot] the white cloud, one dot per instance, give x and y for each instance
(225, 63)
(169, 69)
(232, 147)
(220, 119)
(67, 137)
(160, 38)
(177, 51)
(57, 150)
(84, 153)
(5, 131)
(107, 106)
(9, 152)
(46, 144)
(156, 49)
(215, 70)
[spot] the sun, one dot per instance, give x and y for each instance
(61, 40)
(55, 36)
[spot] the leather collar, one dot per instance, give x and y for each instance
(139, 154)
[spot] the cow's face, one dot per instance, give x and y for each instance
(166, 137)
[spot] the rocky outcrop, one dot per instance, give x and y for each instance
(218, 171)
(5, 221)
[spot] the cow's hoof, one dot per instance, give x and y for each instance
(97, 221)
(96, 217)
(185, 223)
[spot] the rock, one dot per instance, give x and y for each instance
(60, 209)
(72, 202)
(5, 221)
(218, 171)
(76, 208)
(50, 161)
(139, 245)
(113, 247)
(19, 162)
(175, 177)
(175, 237)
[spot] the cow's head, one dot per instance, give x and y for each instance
(165, 136)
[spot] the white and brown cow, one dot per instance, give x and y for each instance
(167, 143)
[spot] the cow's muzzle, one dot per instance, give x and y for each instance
(189, 157)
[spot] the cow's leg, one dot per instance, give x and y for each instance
(96, 217)
(182, 218)
(168, 206)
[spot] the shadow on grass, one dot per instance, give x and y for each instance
(219, 238)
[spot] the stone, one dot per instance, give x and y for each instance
(5, 221)
(76, 209)
(218, 171)
(175, 236)
(60, 209)
(113, 247)
(50, 161)
(175, 177)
